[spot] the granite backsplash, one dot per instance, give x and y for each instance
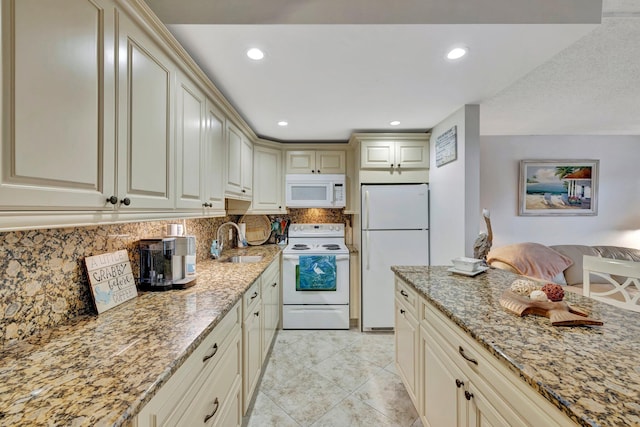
(43, 281)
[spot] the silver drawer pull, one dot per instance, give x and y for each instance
(216, 404)
(467, 358)
(404, 294)
(213, 353)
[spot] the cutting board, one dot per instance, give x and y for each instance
(560, 313)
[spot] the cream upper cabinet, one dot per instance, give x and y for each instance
(267, 180)
(58, 136)
(214, 159)
(316, 161)
(190, 144)
(145, 120)
(199, 150)
(239, 165)
(396, 154)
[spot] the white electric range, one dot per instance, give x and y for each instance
(315, 278)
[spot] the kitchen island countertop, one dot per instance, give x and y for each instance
(592, 373)
(102, 369)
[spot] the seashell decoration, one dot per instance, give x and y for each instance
(525, 287)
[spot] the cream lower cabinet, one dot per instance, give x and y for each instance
(406, 337)
(271, 289)
(252, 331)
(458, 382)
(207, 389)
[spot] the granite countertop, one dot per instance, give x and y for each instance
(592, 373)
(101, 369)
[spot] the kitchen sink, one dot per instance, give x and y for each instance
(243, 259)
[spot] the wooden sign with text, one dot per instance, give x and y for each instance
(111, 279)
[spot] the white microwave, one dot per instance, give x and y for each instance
(315, 191)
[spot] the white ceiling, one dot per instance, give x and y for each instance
(539, 67)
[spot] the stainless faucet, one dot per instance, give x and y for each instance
(241, 236)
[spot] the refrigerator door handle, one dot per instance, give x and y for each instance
(366, 205)
(366, 245)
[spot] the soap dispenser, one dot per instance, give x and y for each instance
(215, 251)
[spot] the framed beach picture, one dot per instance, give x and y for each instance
(558, 187)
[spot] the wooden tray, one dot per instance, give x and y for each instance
(560, 313)
(258, 228)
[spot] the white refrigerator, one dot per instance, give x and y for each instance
(395, 231)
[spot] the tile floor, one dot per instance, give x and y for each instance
(332, 379)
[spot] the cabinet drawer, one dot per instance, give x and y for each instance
(407, 296)
(251, 298)
(272, 272)
(213, 392)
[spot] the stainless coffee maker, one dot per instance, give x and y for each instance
(184, 262)
(157, 269)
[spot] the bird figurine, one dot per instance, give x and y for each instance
(482, 245)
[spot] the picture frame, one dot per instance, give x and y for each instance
(558, 187)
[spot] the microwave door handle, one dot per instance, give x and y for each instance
(332, 193)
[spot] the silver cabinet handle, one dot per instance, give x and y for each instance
(213, 353)
(467, 358)
(216, 405)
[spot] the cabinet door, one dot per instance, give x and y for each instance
(267, 191)
(328, 162)
(234, 160)
(58, 135)
(443, 400)
(189, 145)
(145, 121)
(483, 414)
(301, 161)
(411, 155)
(377, 154)
(406, 336)
(214, 159)
(247, 167)
(252, 345)
(271, 306)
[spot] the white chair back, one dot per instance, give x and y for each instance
(622, 275)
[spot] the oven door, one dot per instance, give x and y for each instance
(294, 291)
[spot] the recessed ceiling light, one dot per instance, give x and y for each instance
(457, 53)
(394, 123)
(255, 54)
(283, 123)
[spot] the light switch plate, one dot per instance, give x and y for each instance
(230, 234)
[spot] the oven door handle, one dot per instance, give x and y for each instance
(296, 257)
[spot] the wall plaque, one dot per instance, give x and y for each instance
(111, 279)
(447, 147)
